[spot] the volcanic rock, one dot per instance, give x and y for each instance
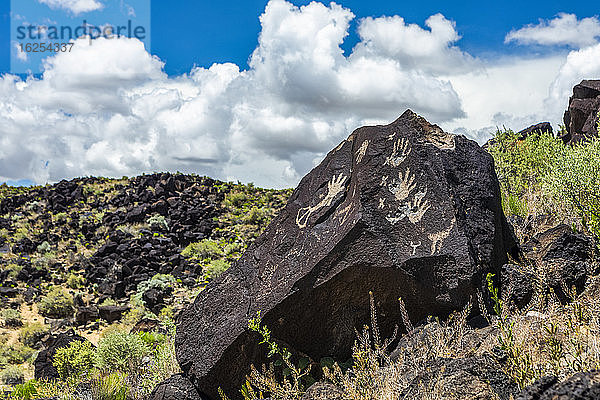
(43, 363)
(403, 210)
(176, 387)
(581, 118)
(581, 386)
(567, 257)
(541, 127)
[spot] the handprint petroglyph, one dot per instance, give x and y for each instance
(400, 151)
(360, 154)
(334, 187)
(402, 188)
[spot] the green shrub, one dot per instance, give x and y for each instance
(43, 248)
(15, 353)
(75, 281)
(25, 391)
(58, 303)
(158, 222)
(113, 386)
(575, 180)
(158, 281)
(204, 249)
(32, 333)
(215, 268)
(75, 361)
(120, 351)
(235, 199)
(12, 375)
(11, 318)
(255, 216)
(14, 270)
(521, 165)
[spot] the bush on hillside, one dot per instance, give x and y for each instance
(75, 360)
(120, 351)
(58, 303)
(204, 249)
(32, 333)
(574, 179)
(11, 318)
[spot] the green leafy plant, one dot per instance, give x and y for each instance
(75, 360)
(158, 222)
(12, 375)
(215, 268)
(121, 351)
(11, 318)
(32, 333)
(205, 249)
(58, 303)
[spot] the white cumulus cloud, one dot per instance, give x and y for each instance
(109, 108)
(565, 29)
(74, 6)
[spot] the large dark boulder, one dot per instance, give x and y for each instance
(542, 127)
(567, 258)
(177, 387)
(581, 386)
(43, 362)
(581, 118)
(403, 210)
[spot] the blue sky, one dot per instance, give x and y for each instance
(260, 91)
(189, 32)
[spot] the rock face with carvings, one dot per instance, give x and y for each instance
(403, 210)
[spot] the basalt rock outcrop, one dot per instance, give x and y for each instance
(581, 118)
(581, 386)
(44, 368)
(403, 210)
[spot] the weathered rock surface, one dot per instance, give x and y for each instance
(581, 118)
(581, 386)
(177, 387)
(479, 377)
(566, 257)
(541, 127)
(43, 363)
(323, 391)
(401, 210)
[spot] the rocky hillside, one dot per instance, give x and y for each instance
(89, 252)
(410, 264)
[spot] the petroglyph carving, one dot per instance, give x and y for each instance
(334, 187)
(402, 188)
(381, 203)
(362, 151)
(400, 151)
(414, 247)
(437, 239)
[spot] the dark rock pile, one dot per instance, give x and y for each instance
(581, 118)
(403, 210)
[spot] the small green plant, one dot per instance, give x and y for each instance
(31, 334)
(216, 268)
(294, 379)
(120, 351)
(113, 386)
(12, 375)
(75, 360)
(11, 318)
(158, 222)
(75, 281)
(25, 391)
(205, 249)
(44, 247)
(58, 303)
